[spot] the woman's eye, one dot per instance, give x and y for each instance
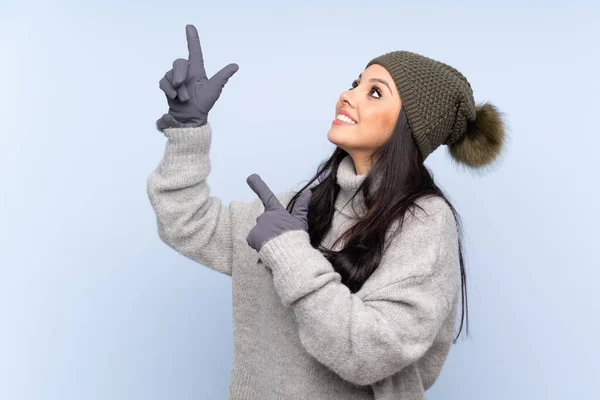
(373, 89)
(376, 89)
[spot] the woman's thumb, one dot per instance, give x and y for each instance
(220, 78)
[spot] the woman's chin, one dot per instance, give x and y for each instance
(336, 137)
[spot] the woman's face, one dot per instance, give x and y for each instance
(373, 103)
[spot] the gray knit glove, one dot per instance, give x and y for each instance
(190, 94)
(275, 220)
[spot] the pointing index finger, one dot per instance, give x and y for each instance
(195, 52)
(269, 200)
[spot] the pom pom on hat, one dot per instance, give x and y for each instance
(483, 142)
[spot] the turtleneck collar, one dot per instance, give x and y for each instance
(349, 182)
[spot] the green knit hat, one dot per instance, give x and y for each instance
(439, 105)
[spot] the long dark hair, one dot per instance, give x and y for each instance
(399, 164)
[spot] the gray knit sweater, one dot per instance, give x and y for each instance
(299, 333)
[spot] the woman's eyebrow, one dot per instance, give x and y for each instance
(378, 80)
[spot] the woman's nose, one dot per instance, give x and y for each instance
(346, 98)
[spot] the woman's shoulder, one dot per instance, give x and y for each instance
(415, 249)
(427, 216)
(431, 206)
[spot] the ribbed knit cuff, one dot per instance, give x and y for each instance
(187, 145)
(298, 268)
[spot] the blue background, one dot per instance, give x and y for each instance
(94, 306)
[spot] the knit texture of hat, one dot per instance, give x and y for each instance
(440, 108)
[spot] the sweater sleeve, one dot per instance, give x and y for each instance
(395, 317)
(189, 219)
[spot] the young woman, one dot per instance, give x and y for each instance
(351, 290)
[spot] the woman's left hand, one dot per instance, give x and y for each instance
(276, 220)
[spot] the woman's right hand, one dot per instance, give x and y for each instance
(190, 94)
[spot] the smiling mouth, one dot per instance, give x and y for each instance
(342, 119)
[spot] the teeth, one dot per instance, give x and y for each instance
(345, 119)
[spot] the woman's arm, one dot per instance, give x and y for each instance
(189, 219)
(395, 317)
